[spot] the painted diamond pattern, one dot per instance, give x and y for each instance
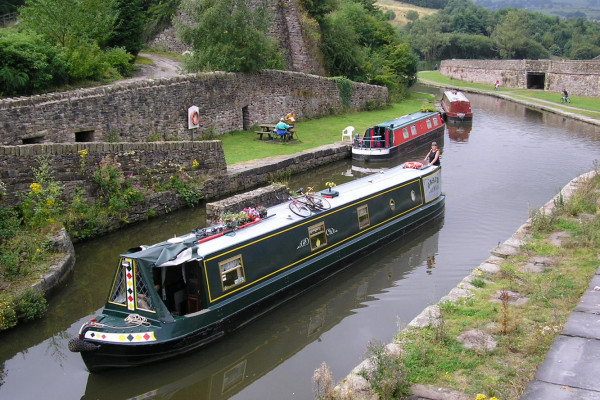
(130, 337)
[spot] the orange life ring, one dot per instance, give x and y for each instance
(412, 164)
(195, 117)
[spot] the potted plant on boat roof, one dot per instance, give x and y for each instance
(330, 192)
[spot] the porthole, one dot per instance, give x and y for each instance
(413, 195)
(392, 204)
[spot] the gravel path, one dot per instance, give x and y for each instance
(163, 68)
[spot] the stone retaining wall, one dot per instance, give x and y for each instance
(245, 176)
(140, 162)
(266, 196)
(578, 77)
(158, 109)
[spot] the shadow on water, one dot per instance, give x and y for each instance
(223, 369)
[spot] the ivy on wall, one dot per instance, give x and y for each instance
(345, 87)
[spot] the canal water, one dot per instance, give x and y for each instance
(510, 160)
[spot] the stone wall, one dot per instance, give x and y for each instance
(157, 109)
(578, 77)
(142, 162)
(266, 196)
(245, 176)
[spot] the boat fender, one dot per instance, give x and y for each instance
(77, 345)
(412, 164)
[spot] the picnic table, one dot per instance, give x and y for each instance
(269, 130)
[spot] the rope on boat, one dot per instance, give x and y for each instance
(137, 319)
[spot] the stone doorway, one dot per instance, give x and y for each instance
(536, 80)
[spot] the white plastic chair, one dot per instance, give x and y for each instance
(348, 131)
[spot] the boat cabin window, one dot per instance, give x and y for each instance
(413, 130)
(118, 293)
(232, 272)
(405, 133)
(143, 299)
(436, 121)
(317, 236)
(428, 120)
(363, 216)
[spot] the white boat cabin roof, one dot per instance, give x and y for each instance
(455, 95)
(280, 216)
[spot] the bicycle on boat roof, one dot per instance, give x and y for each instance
(307, 203)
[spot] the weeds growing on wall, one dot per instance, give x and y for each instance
(345, 88)
(26, 246)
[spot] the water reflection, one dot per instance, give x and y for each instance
(225, 368)
(459, 132)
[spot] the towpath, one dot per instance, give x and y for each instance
(570, 110)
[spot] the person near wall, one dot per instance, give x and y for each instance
(290, 119)
(433, 157)
(281, 127)
(497, 85)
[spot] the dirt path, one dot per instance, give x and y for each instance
(163, 68)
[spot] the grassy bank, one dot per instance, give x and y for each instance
(490, 339)
(240, 146)
(588, 106)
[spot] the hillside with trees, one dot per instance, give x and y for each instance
(69, 42)
(463, 29)
(73, 43)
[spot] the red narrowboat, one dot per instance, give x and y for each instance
(401, 135)
(456, 107)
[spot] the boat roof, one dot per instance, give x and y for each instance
(455, 95)
(180, 249)
(407, 119)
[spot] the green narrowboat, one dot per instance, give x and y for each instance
(183, 293)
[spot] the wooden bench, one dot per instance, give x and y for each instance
(261, 133)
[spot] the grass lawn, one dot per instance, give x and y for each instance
(240, 146)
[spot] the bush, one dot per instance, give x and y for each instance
(28, 65)
(31, 305)
(88, 61)
(8, 316)
(42, 205)
(120, 60)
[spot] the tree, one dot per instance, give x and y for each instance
(69, 23)
(510, 35)
(341, 47)
(129, 29)
(228, 35)
(412, 15)
(28, 65)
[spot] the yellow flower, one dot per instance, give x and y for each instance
(83, 153)
(35, 187)
(195, 164)
(493, 398)
(481, 397)
(50, 203)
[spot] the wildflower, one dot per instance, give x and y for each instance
(481, 397)
(83, 153)
(195, 164)
(35, 187)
